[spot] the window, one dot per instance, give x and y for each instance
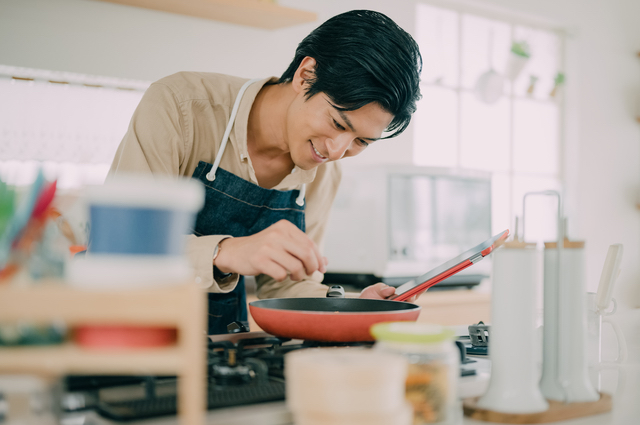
(68, 124)
(517, 135)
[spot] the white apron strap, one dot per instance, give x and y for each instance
(300, 198)
(211, 175)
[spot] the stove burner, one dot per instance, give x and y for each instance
(222, 375)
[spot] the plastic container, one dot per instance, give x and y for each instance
(142, 215)
(567, 324)
(514, 384)
(434, 367)
(137, 236)
(346, 386)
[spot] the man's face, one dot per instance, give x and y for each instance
(318, 132)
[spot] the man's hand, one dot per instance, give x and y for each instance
(278, 251)
(381, 291)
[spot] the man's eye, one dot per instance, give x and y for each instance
(338, 126)
(362, 143)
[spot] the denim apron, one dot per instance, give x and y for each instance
(234, 206)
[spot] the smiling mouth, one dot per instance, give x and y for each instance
(318, 153)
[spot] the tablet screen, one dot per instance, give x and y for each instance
(452, 266)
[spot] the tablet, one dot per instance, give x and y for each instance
(451, 267)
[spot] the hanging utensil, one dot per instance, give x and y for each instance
(490, 84)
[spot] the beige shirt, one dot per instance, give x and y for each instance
(180, 121)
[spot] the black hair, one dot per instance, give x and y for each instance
(361, 57)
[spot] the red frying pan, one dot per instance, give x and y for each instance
(328, 319)
(349, 319)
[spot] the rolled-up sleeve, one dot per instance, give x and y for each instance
(200, 252)
(157, 142)
(319, 197)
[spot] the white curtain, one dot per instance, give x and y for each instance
(69, 128)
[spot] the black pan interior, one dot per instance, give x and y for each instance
(346, 305)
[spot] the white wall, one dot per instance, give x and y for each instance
(93, 37)
(602, 161)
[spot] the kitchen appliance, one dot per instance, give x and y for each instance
(246, 384)
(390, 223)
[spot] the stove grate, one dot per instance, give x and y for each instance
(166, 405)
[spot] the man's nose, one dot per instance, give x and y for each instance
(337, 146)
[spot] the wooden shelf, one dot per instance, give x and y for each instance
(182, 306)
(71, 359)
(51, 300)
(255, 13)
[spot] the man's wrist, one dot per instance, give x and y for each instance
(216, 253)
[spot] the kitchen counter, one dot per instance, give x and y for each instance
(622, 382)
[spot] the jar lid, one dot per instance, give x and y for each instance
(148, 191)
(411, 332)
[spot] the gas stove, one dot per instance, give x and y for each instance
(243, 369)
(245, 379)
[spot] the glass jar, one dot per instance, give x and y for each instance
(434, 367)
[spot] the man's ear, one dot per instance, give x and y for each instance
(306, 71)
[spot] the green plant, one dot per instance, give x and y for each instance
(521, 48)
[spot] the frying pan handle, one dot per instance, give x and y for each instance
(335, 291)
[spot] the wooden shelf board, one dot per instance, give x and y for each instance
(70, 358)
(557, 411)
(255, 13)
(47, 301)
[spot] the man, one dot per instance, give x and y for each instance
(266, 151)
